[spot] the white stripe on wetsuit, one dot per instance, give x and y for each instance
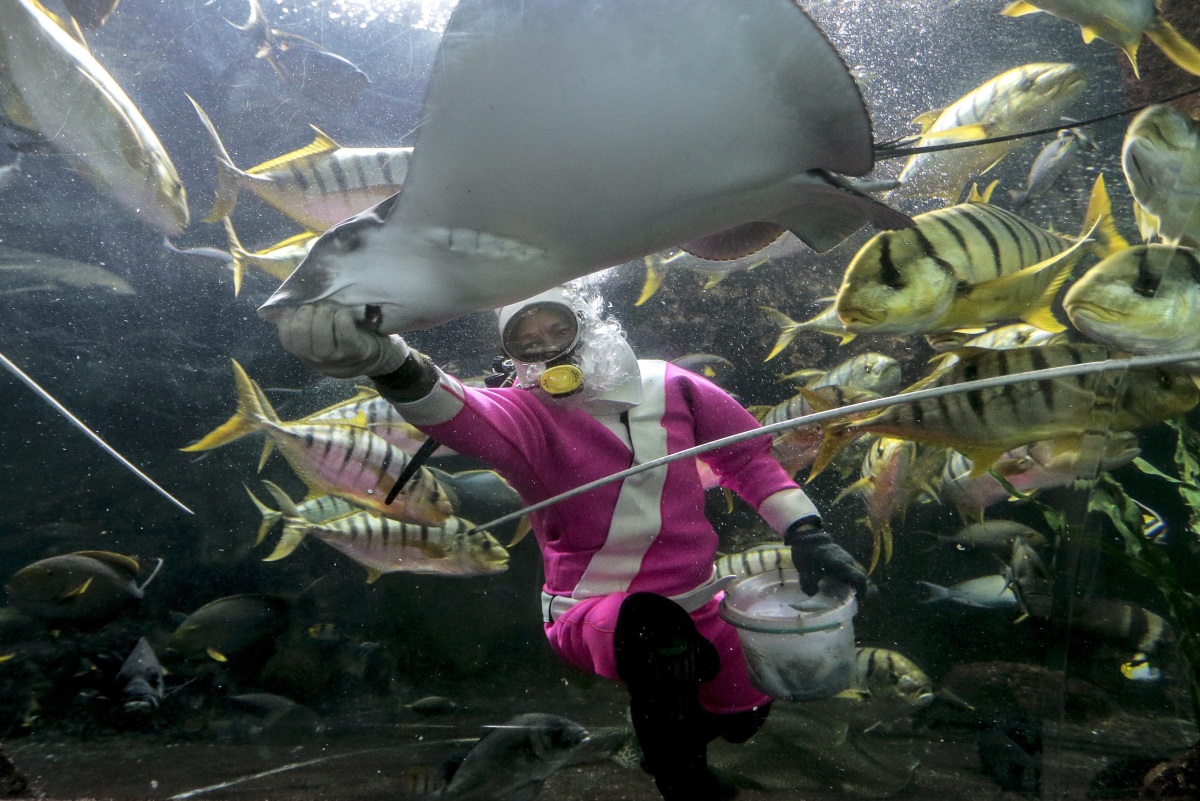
(637, 516)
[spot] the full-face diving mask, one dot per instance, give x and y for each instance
(547, 332)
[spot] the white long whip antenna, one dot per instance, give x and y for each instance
(92, 435)
(854, 408)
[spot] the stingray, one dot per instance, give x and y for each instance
(561, 138)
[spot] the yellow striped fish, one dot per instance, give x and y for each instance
(796, 447)
(773, 557)
(390, 546)
(1120, 22)
(318, 185)
(315, 510)
(369, 410)
(826, 322)
(278, 260)
(1006, 337)
(964, 266)
(1161, 160)
(894, 475)
(335, 458)
(982, 424)
(1024, 98)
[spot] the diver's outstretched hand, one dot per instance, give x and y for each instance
(816, 555)
(327, 338)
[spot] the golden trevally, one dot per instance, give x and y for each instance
(1161, 159)
(1142, 300)
(318, 185)
(964, 266)
(1121, 22)
(52, 85)
(541, 157)
(984, 423)
(1024, 98)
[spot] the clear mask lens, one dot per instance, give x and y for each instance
(541, 332)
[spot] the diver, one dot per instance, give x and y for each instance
(630, 590)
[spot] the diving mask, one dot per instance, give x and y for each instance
(546, 332)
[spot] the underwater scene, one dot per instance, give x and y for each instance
(276, 401)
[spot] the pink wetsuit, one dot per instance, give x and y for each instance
(647, 533)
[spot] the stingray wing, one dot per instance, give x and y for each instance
(606, 129)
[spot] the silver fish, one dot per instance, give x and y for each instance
(24, 271)
(492, 210)
(985, 592)
(1052, 163)
(55, 87)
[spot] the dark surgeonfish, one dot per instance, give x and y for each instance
(84, 590)
(493, 209)
(141, 679)
(229, 627)
(306, 67)
(511, 761)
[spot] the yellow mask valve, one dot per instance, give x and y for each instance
(561, 380)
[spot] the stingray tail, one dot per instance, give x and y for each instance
(228, 175)
(253, 412)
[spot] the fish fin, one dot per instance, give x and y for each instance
(524, 526)
(76, 592)
(251, 415)
(287, 507)
(830, 210)
(989, 168)
(886, 536)
(1174, 46)
(835, 440)
(293, 535)
(1019, 9)
(270, 517)
(268, 449)
(936, 592)
(976, 197)
(322, 145)
(734, 243)
(373, 574)
(16, 110)
(1098, 222)
(228, 175)
(1130, 49)
(858, 486)
(1147, 223)
(1040, 315)
(713, 278)
(926, 119)
(847, 338)
(728, 500)
(982, 459)
(962, 133)
(758, 411)
(238, 253)
(216, 655)
(653, 282)
(876, 551)
(118, 562)
(788, 328)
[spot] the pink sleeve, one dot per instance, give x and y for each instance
(746, 467)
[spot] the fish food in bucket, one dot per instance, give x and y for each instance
(797, 646)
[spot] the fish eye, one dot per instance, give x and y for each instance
(1164, 379)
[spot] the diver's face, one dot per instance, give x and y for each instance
(541, 333)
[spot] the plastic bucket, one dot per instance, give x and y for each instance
(797, 646)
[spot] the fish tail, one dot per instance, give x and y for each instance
(1174, 46)
(295, 527)
(238, 253)
(1099, 223)
(837, 437)
(936, 592)
(788, 328)
(270, 516)
(653, 280)
(253, 412)
(228, 175)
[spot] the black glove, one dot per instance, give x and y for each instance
(815, 556)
